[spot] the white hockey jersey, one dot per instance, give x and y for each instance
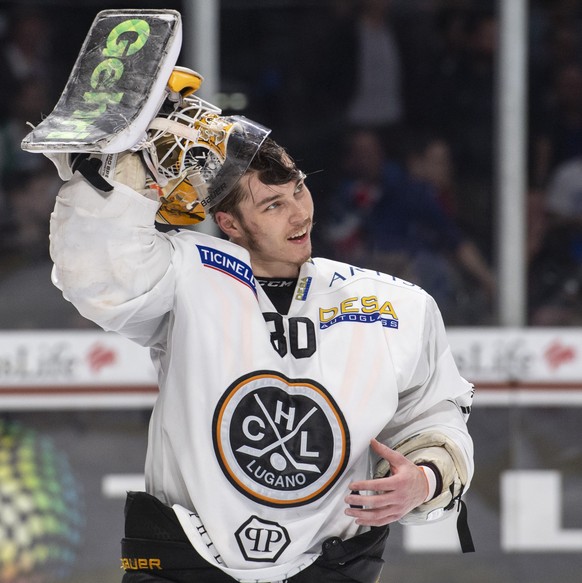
(262, 419)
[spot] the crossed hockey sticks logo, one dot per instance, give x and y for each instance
(280, 441)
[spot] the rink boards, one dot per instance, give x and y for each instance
(88, 369)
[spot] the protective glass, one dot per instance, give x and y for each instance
(191, 143)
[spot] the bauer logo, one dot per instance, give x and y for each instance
(281, 442)
(227, 264)
(365, 310)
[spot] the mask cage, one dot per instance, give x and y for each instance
(190, 139)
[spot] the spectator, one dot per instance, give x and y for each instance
(555, 288)
(395, 221)
(377, 100)
(463, 105)
(555, 279)
(434, 70)
(558, 131)
(430, 160)
(564, 192)
(357, 68)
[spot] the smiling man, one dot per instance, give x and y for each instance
(272, 220)
(304, 404)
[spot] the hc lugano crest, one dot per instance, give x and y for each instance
(281, 442)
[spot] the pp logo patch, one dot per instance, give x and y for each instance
(262, 540)
(281, 442)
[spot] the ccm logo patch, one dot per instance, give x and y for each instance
(262, 540)
(281, 442)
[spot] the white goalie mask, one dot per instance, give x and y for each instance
(193, 148)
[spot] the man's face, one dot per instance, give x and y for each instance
(274, 226)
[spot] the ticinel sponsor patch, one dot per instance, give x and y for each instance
(281, 442)
(227, 264)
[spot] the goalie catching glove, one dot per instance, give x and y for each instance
(440, 453)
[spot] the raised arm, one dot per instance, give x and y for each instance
(109, 259)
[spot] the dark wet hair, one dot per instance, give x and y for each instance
(273, 166)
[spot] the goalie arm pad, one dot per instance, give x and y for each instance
(439, 452)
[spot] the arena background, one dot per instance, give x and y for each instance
(75, 401)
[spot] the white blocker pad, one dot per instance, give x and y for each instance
(117, 85)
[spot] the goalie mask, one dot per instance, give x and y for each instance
(195, 154)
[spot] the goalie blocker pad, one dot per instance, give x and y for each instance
(116, 87)
(439, 452)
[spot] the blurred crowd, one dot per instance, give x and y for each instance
(388, 106)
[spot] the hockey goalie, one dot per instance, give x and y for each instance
(304, 405)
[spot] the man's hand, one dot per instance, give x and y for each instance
(405, 489)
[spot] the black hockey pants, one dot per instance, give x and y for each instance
(156, 550)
